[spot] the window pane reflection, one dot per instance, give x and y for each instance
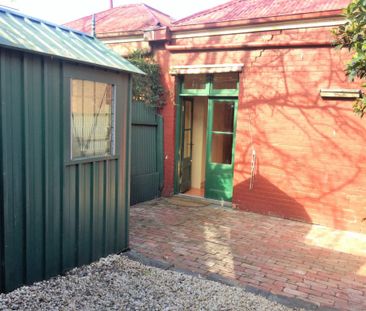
(223, 117)
(221, 148)
(225, 81)
(196, 82)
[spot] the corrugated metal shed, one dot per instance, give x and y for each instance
(34, 35)
(57, 211)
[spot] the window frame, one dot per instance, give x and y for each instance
(112, 124)
(223, 92)
(204, 91)
(208, 90)
(94, 75)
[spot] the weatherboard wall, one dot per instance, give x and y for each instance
(55, 214)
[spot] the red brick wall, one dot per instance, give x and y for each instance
(311, 152)
(168, 113)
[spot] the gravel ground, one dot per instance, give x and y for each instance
(118, 283)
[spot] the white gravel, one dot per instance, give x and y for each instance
(118, 283)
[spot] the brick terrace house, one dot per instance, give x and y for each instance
(259, 110)
(123, 27)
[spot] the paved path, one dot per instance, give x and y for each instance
(317, 264)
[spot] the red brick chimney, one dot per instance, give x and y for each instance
(111, 4)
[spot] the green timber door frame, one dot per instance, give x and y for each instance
(182, 94)
(186, 144)
(220, 166)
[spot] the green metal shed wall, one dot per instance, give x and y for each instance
(55, 214)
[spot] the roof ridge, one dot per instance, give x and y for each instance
(148, 9)
(156, 10)
(205, 12)
(151, 12)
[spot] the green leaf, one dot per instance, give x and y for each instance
(148, 88)
(352, 35)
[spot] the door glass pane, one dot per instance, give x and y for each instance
(187, 114)
(187, 129)
(196, 82)
(221, 148)
(223, 117)
(225, 81)
(187, 143)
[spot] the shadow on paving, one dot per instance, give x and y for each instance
(274, 257)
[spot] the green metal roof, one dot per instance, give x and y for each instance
(26, 33)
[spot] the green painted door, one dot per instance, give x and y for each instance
(186, 150)
(220, 148)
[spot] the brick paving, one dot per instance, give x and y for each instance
(313, 263)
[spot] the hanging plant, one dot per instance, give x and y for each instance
(147, 88)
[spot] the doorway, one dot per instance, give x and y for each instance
(206, 127)
(208, 138)
(194, 138)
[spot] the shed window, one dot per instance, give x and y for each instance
(92, 119)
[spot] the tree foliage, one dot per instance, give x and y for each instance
(147, 88)
(352, 35)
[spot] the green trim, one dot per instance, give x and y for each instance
(95, 76)
(211, 101)
(218, 95)
(224, 92)
(185, 172)
(128, 160)
(91, 160)
(208, 136)
(195, 92)
(226, 95)
(177, 135)
(216, 169)
(209, 90)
